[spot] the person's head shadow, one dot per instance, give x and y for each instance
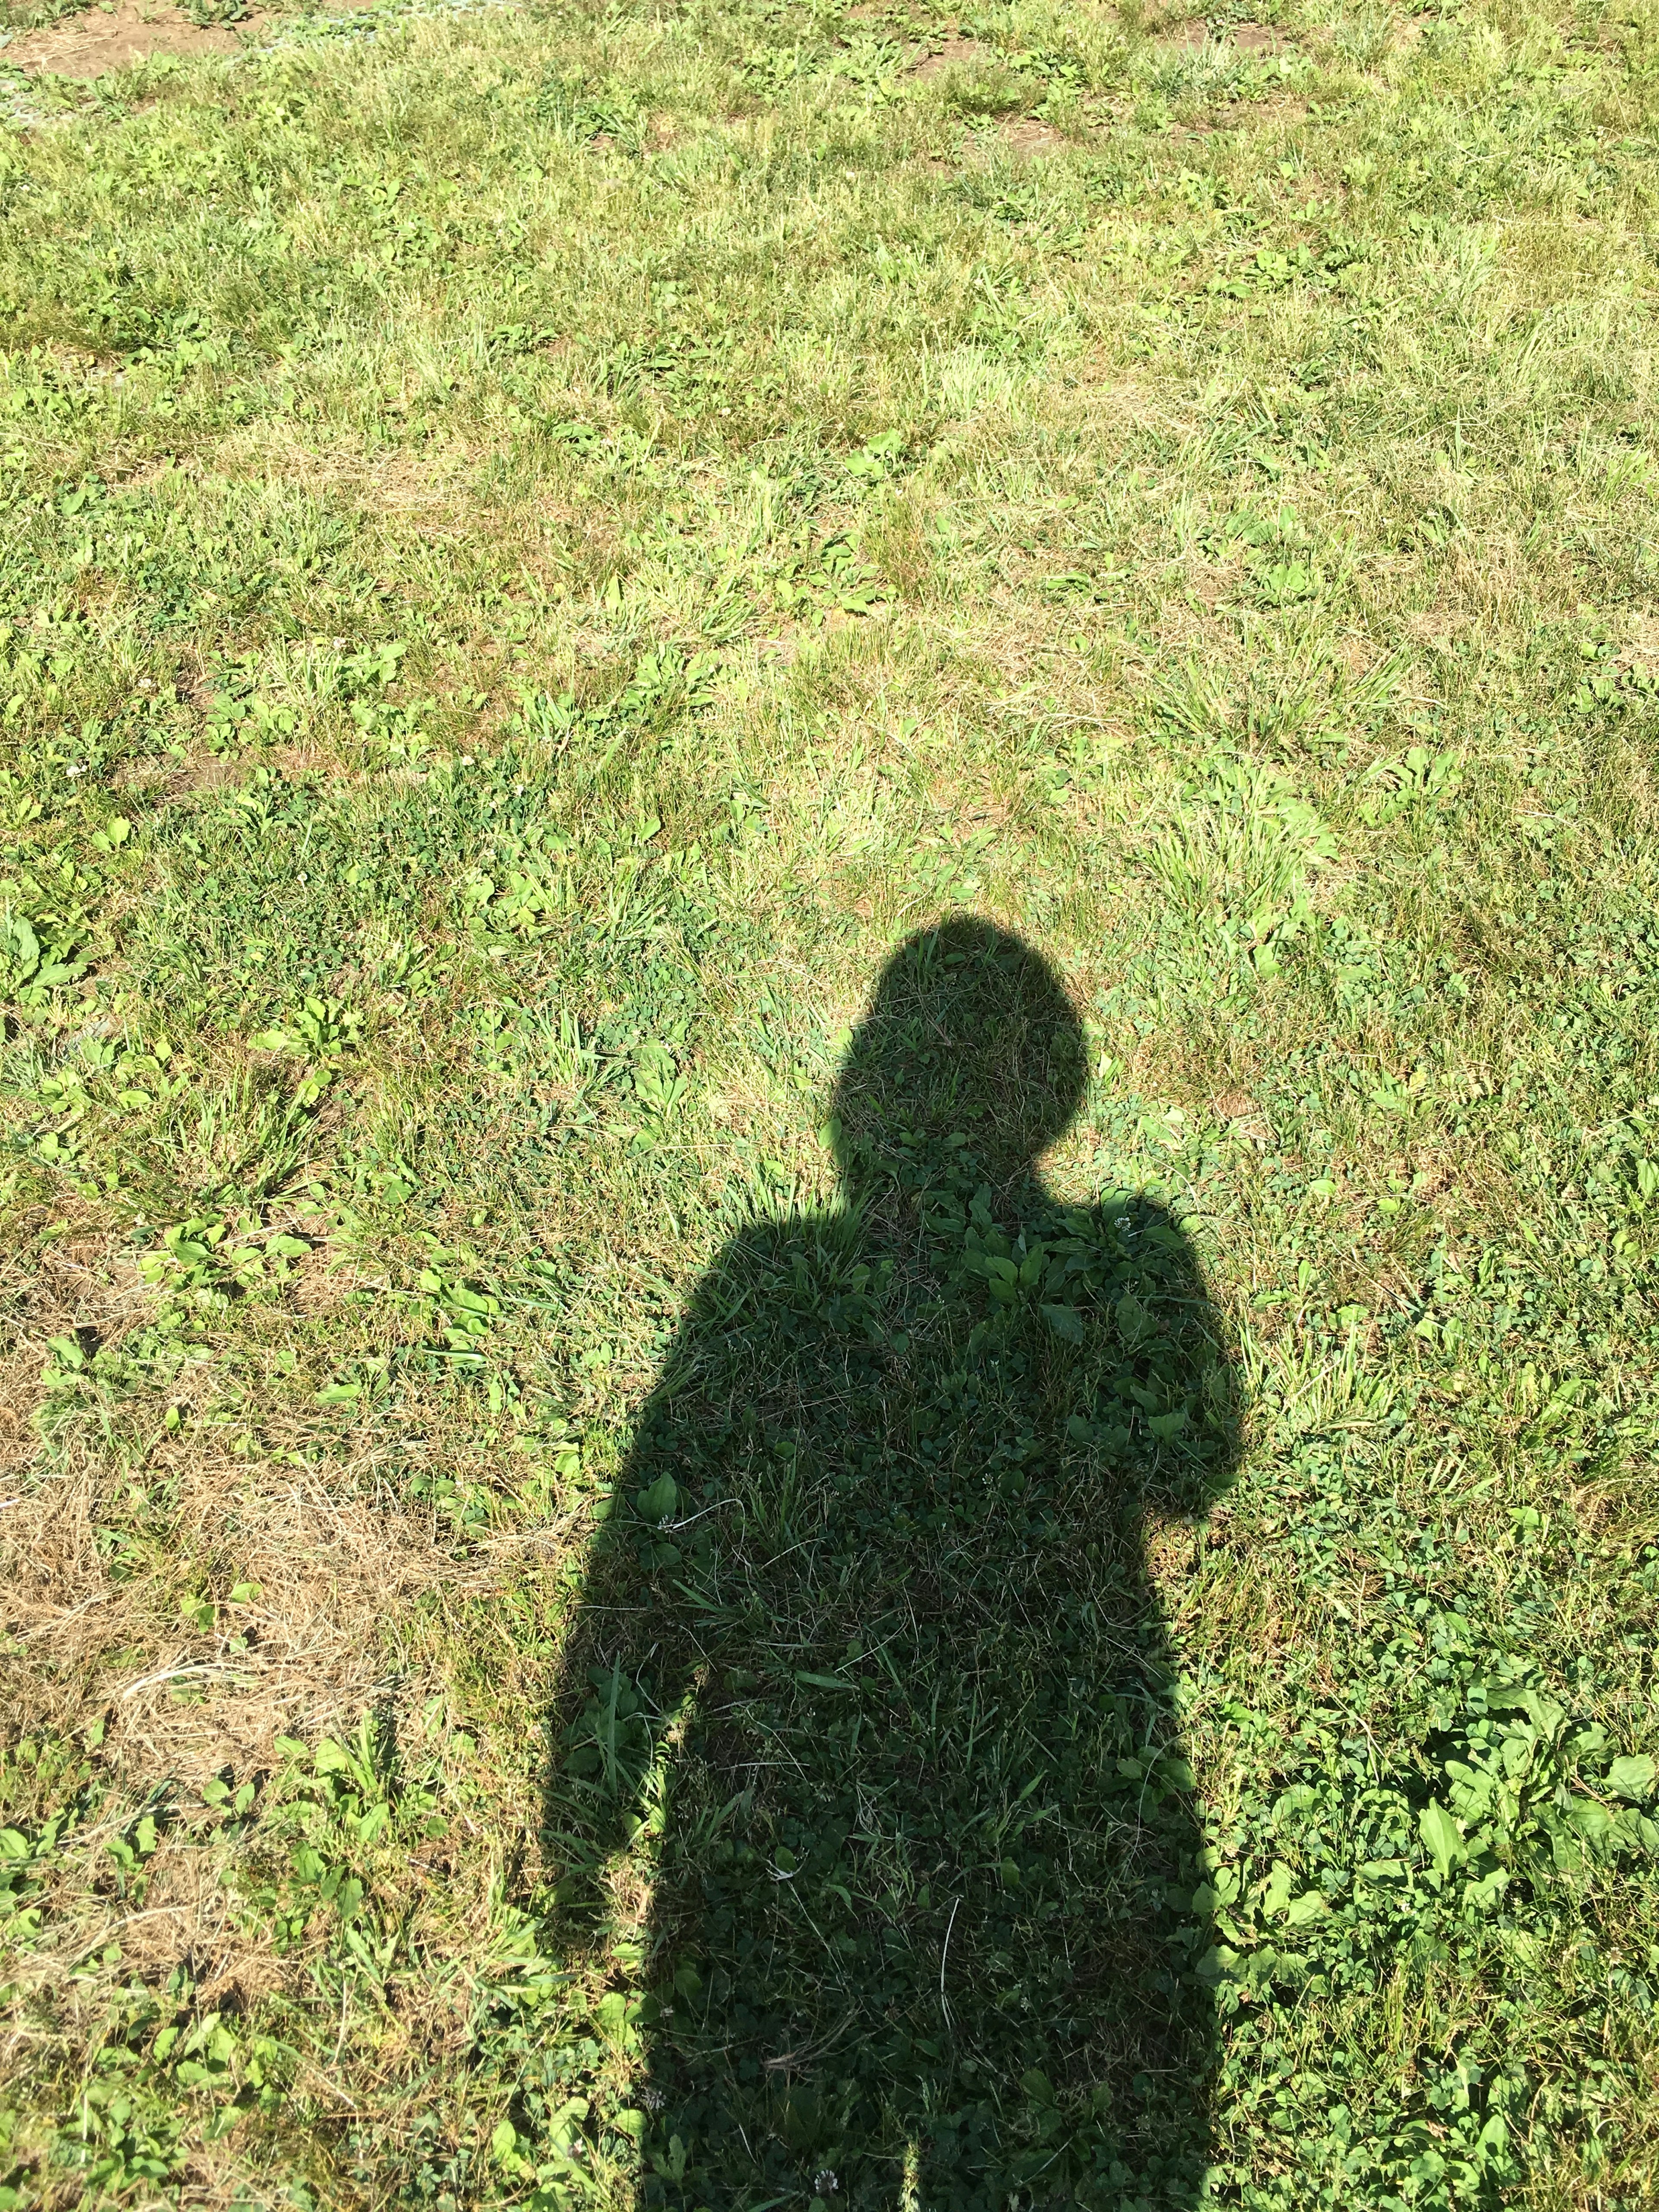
(970, 1047)
(866, 1744)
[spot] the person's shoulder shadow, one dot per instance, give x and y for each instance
(865, 1744)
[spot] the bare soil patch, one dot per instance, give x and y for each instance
(93, 43)
(955, 52)
(1248, 38)
(1024, 137)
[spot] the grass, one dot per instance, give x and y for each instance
(644, 652)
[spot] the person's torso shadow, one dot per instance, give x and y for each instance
(867, 1730)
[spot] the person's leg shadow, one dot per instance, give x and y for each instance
(870, 1678)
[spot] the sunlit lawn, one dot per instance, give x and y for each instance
(541, 547)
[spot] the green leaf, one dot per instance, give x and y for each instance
(1593, 1822)
(657, 1503)
(1441, 1838)
(1632, 1777)
(1312, 1904)
(1134, 1321)
(1066, 1321)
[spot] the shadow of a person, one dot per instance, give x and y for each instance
(869, 1685)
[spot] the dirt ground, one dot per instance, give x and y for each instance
(86, 45)
(116, 34)
(1248, 38)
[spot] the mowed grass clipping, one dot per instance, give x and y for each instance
(541, 549)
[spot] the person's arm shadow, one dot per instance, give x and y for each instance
(660, 1594)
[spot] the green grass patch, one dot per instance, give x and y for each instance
(827, 854)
